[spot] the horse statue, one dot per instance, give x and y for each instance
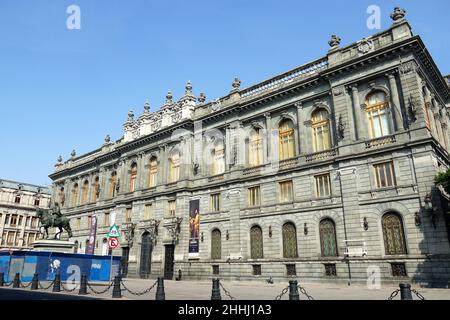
(52, 218)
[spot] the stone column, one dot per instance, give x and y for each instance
(123, 176)
(301, 145)
(396, 107)
(228, 148)
(357, 110)
(141, 172)
(268, 143)
(162, 164)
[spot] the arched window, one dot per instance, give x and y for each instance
(289, 241)
(96, 189)
(62, 197)
(216, 244)
(255, 148)
(153, 172)
(133, 175)
(256, 243)
(174, 170)
(85, 194)
(377, 115)
(286, 139)
(74, 197)
(328, 244)
(394, 237)
(320, 123)
(113, 184)
(218, 155)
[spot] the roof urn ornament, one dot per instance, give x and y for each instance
(107, 139)
(201, 98)
(188, 88)
(334, 42)
(169, 97)
(73, 154)
(130, 116)
(147, 107)
(398, 15)
(60, 159)
(236, 84)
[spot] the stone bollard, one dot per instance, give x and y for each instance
(405, 291)
(160, 293)
(83, 285)
(117, 292)
(57, 283)
(293, 290)
(2, 279)
(35, 282)
(215, 293)
(16, 283)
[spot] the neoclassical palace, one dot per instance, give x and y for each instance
(324, 172)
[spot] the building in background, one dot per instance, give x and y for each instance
(341, 188)
(19, 226)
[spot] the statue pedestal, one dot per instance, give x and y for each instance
(53, 245)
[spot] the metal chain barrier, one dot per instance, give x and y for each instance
(8, 284)
(394, 294)
(45, 288)
(138, 293)
(421, 297)
(26, 285)
(283, 292)
(68, 290)
(226, 292)
(303, 290)
(100, 292)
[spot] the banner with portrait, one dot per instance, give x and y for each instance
(194, 228)
(92, 235)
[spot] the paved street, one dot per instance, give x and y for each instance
(242, 290)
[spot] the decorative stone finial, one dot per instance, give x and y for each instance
(334, 42)
(130, 115)
(169, 97)
(188, 88)
(73, 154)
(236, 84)
(398, 15)
(60, 159)
(146, 107)
(201, 98)
(107, 139)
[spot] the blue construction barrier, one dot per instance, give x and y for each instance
(48, 264)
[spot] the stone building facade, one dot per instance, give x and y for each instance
(324, 172)
(19, 226)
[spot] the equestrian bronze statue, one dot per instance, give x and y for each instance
(53, 218)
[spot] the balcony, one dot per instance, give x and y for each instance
(253, 170)
(288, 163)
(380, 141)
(321, 155)
(217, 177)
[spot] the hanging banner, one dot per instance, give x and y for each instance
(194, 228)
(92, 235)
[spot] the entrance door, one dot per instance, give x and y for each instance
(168, 262)
(124, 261)
(146, 256)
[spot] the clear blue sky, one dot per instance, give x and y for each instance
(62, 89)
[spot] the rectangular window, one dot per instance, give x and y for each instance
(20, 221)
(27, 222)
(128, 215)
(384, 174)
(148, 212)
(323, 185)
(10, 238)
(215, 270)
(36, 202)
(215, 202)
(7, 219)
(398, 270)
(4, 235)
(13, 221)
(286, 191)
(172, 208)
(89, 221)
(330, 270)
(291, 270)
(256, 269)
(17, 199)
(78, 223)
(106, 219)
(253, 197)
(34, 222)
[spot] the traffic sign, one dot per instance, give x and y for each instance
(113, 243)
(114, 232)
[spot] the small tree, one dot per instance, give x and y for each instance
(443, 179)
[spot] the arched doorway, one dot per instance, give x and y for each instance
(394, 237)
(146, 255)
(327, 232)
